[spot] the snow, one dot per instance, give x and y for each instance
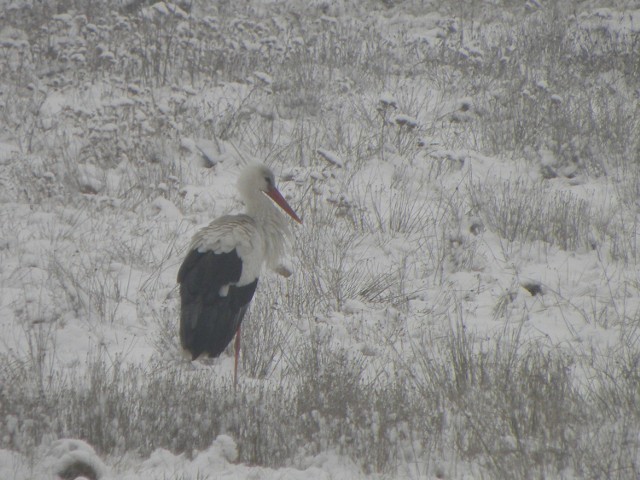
(101, 193)
(165, 208)
(90, 178)
(218, 461)
(264, 77)
(623, 22)
(330, 157)
(406, 120)
(387, 99)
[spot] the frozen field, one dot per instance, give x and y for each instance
(465, 297)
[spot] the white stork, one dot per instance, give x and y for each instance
(220, 273)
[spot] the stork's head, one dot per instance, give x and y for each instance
(255, 180)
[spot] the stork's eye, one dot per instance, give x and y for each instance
(269, 181)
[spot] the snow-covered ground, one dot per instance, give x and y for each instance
(468, 178)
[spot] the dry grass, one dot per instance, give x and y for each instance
(543, 89)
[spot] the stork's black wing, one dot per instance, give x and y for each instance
(210, 314)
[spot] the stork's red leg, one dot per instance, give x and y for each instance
(237, 355)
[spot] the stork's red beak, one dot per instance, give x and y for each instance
(277, 197)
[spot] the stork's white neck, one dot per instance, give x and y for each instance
(271, 223)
